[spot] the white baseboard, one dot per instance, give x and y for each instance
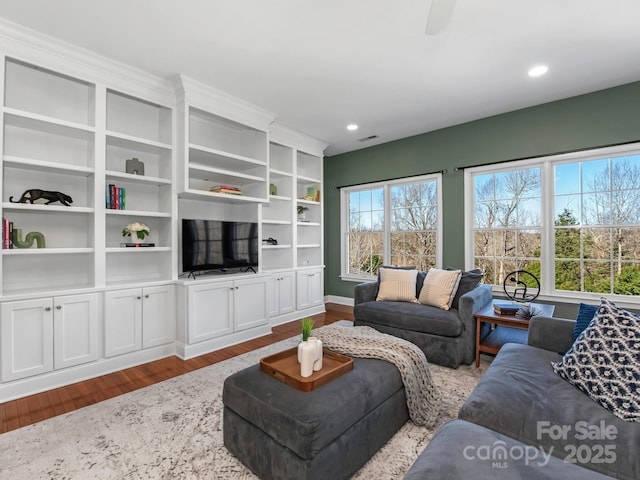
(186, 352)
(339, 300)
(297, 315)
(66, 376)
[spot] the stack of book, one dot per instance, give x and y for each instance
(226, 189)
(506, 308)
(115, 197)
(7, 233)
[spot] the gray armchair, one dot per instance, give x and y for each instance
(447, 337)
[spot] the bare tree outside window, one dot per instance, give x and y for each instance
(595, 217)
(507, 228)
(393, 224)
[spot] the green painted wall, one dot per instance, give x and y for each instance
(602, 118)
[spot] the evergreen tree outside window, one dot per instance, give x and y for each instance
(572, 220)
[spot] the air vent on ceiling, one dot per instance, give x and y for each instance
(366, 139)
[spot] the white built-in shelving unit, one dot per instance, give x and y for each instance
(85, 304)
(66, 134)
(223, 142)
(49, 142)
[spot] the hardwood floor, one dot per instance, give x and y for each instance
(38, 407)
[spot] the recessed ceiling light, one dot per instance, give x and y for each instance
(538, 70)
(352, 126)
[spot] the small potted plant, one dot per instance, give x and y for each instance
(307, 325)
(301, 215)
(137, 231)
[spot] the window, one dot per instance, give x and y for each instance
(572, 220)
(507, 227)
(392, 223)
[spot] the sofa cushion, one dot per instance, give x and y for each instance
(439, 288)
(411, 316)
(520, 396)
(397, 285)
(461, 449)
(585, 315)
(604, 361)
(468, 281)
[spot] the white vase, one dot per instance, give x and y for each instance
(307, 357)
(317, 364)
(135, 239)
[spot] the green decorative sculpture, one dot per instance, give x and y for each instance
(28, 239)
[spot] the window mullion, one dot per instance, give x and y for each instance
(386, 244)
(547, 250)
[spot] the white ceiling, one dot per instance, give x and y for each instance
(320, 65)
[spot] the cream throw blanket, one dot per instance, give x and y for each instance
(423, 399)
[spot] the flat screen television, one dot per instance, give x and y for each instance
(218, 245)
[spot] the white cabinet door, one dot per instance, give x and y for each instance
(123, 321)
(281, 294)
(158, 315)
(273, 296)
(75, 326)
(210, 311)
(310, 288)
(250, 303)
(26, 338)
(316, 287)
(286, 293)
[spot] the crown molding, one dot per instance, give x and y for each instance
(205, 97)
(293, 138)
(31, 46)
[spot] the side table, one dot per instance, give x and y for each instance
(504, 328)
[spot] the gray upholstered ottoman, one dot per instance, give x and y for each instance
(329, 433)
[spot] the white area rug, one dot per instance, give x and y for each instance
(173, 430)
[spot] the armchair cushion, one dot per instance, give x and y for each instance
(397, 285)
(468, 281)
(412, 316)
(439, 288)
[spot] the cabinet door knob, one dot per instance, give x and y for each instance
(46, 309)
(231, 288)
(138, 297)
(58, 307)
(146, 296)
(237, 288)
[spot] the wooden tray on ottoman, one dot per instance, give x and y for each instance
(284, 366)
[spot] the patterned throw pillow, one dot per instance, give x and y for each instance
(397, 285)
(439, 288)
(604, 361)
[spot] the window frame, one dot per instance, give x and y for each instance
(547, 224)
(386, 186)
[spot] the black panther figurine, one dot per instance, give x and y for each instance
(29, 196)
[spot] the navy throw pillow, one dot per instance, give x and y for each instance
(585, 315)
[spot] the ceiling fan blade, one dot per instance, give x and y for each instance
(439, 15)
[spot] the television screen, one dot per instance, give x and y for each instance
(216, 245)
